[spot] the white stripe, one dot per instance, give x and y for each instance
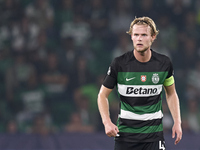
(130, 115)
(139, 90)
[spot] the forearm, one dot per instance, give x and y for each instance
(111, 129)
(103, 106)
(174, 107)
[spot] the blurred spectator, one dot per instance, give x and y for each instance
(41, 12)
(20, 35)
(12, 127)
(65, 13)
(168, 33)
(91, 92)
(68, 54)
(177, 9)
(193, 116)
(187, 55)
(123, 45)
(146, 8)
(10, 11)
(185, 3)
(81, 74)
(32, 97)
(120, 16)
(5, 115)
(6, 61)
(83, 107)
(184, 61)
(41, 125)
(79, 29)
(98, 18)
(190, 28)
(17, 75)
(54, 78)
(75, 124)
(193, 82)
(39, 52)
(159, 47)
(56, 83)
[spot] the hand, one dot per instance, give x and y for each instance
(177, 131)
(111, 129)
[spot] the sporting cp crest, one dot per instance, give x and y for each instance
(109, 71)
(155, 78)
(143, 78)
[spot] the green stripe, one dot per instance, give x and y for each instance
(137, 80)
(145, 129)
(142, 109)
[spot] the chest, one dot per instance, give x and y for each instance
(142, 78)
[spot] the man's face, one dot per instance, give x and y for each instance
(141, 37)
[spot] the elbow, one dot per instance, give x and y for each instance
(99, 97)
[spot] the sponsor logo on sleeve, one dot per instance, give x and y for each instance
(109, 71)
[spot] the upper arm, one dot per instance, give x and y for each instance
(104, 91)
(170, 90)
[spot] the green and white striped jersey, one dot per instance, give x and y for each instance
(140, 88)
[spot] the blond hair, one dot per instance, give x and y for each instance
(144, 21)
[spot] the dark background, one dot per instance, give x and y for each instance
(54, 55)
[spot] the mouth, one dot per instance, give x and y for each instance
(139, 44)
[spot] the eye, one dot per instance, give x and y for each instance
(136, 34)
(144, 34)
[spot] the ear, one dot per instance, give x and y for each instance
(153, 37)
(132, 37)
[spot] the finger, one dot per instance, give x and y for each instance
(177, 141)
(112, 133)
(117, 130)
(109, 133)
(179, 137)
(173, 134)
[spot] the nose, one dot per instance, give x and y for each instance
(139, 37)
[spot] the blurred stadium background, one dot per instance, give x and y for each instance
(54, 55)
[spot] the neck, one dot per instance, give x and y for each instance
(142, 56)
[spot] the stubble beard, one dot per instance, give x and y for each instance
(142, 51)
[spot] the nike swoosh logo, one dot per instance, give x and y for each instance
(130, 79)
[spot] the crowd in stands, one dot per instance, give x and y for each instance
(54, 55)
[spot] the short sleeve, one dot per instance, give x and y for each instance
(111, 78)
(170, 69)
(170, 77)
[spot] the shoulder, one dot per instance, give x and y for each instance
(160, 57)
